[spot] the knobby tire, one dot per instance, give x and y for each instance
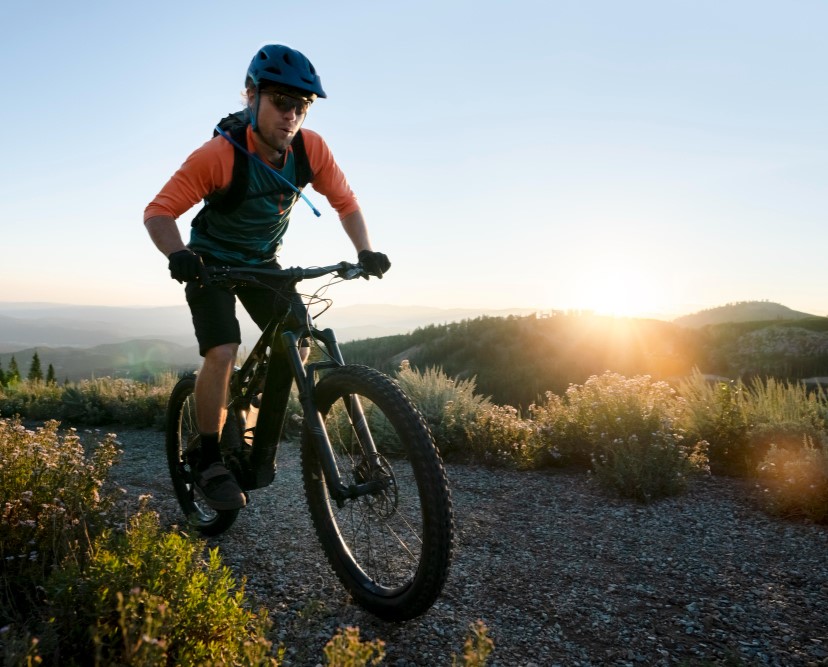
(392, 549)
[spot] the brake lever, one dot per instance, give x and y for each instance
(351, 271)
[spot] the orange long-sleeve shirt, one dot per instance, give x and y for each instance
(209, 169)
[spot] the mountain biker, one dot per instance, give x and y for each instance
(280, 86)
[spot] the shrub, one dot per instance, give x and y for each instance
(52, 496)
(783, 414)
(148, 597)
(741, 422)
(118, 400)
(32, 400)
(562, 441)
(716, 413)
(346, 649)
(498, 435)
(448, 405)
(648, 468)
(91, 402)
(795, 483)
(626, 428)
(478, 646)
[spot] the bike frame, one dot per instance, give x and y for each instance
(273, 365)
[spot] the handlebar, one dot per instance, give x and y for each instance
(345, 270)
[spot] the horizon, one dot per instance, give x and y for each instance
(667, 317)
(587, 157)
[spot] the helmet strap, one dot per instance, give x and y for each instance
(254, 113)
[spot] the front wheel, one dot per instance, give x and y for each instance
(391, 548)
(181, 430)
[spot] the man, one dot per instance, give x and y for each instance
(281, 85)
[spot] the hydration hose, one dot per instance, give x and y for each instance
(270, 169)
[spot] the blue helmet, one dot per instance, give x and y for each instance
(279, 64)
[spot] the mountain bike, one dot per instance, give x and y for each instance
(373, 478)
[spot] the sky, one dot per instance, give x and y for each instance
(649, 158)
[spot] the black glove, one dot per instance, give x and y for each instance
(374, 263)
(185, 265)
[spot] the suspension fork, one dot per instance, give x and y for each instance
(306, 382)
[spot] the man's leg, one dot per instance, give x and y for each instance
(217, 484)
(211, 388)
(218, 336)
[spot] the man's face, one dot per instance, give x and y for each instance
(280, 117)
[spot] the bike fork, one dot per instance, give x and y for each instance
(339, 491)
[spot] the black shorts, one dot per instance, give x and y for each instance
(214, 311)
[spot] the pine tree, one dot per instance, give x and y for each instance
(2, 376)
(35, 372)
(13, 374)
(50, 375)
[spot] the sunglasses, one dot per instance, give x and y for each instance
(286, 103)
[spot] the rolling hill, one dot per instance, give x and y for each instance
(743, 311)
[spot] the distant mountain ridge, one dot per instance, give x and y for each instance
(743, 338)
(743, 311)
(140, 359)
(24, 325)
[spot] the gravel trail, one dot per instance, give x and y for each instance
(560, 573)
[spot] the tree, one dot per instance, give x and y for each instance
(50, 375)
(35, 372)
(2, 376)
(13, 374)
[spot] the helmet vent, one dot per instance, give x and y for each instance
(273, 70)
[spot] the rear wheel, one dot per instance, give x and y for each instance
(181, 431)
(390, 548)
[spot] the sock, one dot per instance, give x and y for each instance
(210, 452)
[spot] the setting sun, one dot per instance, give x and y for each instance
(623, 293)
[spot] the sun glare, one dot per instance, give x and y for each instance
(617, 293)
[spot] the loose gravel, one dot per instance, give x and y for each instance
(560, 573)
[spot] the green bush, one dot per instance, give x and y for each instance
(448, 406)
(627, 428)
(32, 400)
(477, 648)
(346, 649)
(91, 402)
(563, 441)
(499, 436)
(146, 597)
(741, 422)
(118, 400)
(716, 413)
(795, 482)
(782, 414)
(646, 469)
(638, 448)
(52, 497)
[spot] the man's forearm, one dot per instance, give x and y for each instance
(164, 234)
(357, 230)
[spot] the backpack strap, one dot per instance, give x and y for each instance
(304, 173)
(236, 126)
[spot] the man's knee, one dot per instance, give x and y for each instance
(222, 355)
